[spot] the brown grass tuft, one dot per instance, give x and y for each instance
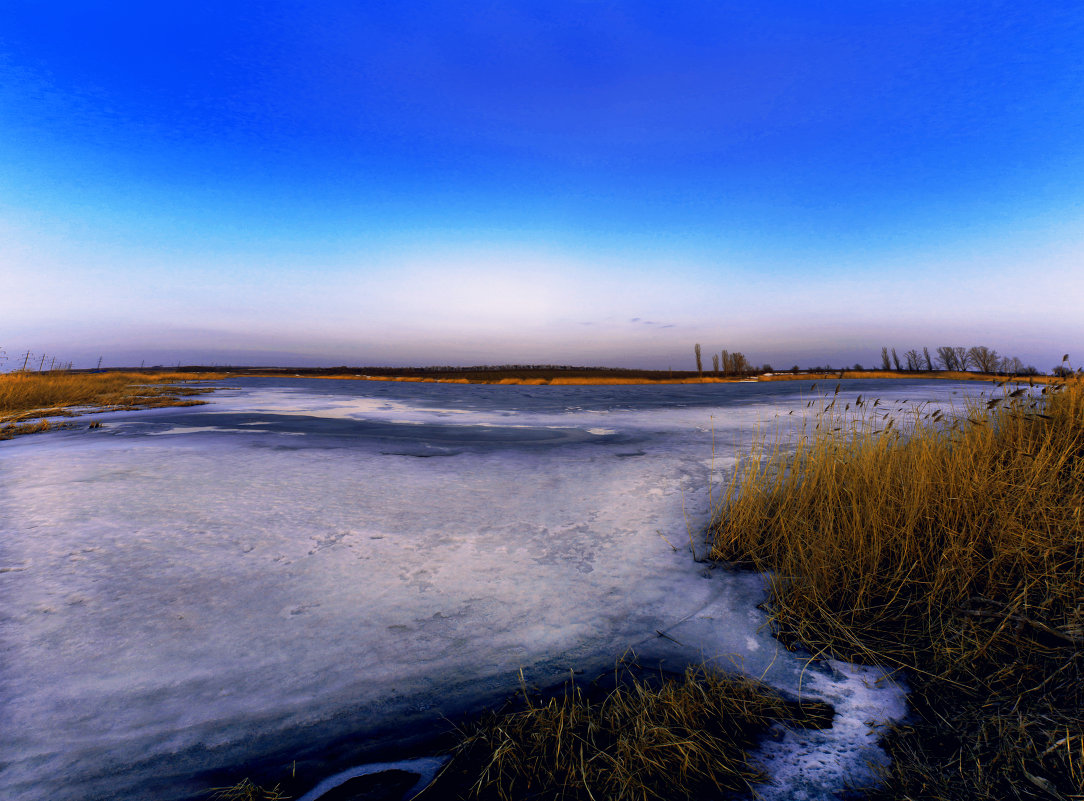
(671, 738)
(245, 790)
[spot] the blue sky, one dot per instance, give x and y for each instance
(558, 182)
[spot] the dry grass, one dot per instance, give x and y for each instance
(953, 551)
(245, 790)
(680, 737)
(32, 396)
(10, 430)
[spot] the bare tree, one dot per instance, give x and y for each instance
(896, 359)
(946, 357)
(985, 359)
(1010, 365)
(715, 362)
(885, 364)
(699, 364)
(929, 361)
(739, 362)
(728, 368)
(912, 358)
(963, 359)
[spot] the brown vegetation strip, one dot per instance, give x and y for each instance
(606, 377)
(28, 396)
(954, 551)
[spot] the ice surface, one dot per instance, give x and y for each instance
(303, 561)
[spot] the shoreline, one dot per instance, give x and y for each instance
(606, 378)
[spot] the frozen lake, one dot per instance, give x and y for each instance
(315, 570)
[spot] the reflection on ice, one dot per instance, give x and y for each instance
(274, 577)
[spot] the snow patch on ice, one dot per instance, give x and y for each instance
(808, 764)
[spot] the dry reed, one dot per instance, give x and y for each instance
(953, 550)
(245, 790)
(677, 737)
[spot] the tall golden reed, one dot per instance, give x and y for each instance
(953, 549)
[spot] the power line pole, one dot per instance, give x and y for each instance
(99, 363)
(25, 360)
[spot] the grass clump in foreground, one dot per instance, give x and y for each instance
(677, 737)
(628, 735)
(31, 396)
(955, 552)
(245, 790)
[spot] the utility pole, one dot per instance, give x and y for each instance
(99, 363)
(42, 364)
(25, 360)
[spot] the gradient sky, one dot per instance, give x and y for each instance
(554, 182)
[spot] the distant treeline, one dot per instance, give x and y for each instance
(957, 358)
(949, 358)
(726, 363)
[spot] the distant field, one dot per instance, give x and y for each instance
(568, 376)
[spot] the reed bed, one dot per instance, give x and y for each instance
(676, 737)
(952, 549)
(33, 396)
